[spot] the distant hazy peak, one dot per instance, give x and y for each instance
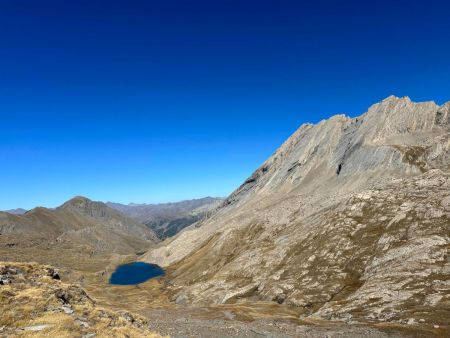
(206, 199)
(18, 211)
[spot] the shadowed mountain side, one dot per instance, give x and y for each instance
(167, 219)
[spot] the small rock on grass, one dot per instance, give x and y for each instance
(89, 335)
(67, 310)
(36, 327)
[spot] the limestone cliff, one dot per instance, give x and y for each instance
(348, 219)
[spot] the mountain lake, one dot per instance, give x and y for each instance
(135, 273)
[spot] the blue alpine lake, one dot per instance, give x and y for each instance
(135, 273)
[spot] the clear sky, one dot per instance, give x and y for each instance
(155, 101)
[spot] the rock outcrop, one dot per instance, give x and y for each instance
(349, 219)
(34, 303)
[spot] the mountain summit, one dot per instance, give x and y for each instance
(349, 218)
(80, 222)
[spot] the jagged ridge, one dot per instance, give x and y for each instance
(279, 236)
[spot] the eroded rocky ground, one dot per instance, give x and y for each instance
(378, 256)
(213, 322)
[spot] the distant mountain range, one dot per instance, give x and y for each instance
(18, 211)
(167, 219)
(164, 220)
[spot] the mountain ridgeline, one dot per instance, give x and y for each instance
(80, 222)
(349, 219)
(18, 211)
(167, 219)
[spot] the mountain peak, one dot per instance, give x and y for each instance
(391, 98)
(102, 213)
(77, 201)
(84, 205)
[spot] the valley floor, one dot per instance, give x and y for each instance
(211, 323)
(150, 300)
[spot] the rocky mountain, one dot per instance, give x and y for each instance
(80, 222)
(167, 219)
(349, 219)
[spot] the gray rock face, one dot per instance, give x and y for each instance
(348, 219)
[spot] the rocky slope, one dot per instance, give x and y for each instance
(348, 219)
(167, 219)
(38, 301)
(34, 302)
(80, 222)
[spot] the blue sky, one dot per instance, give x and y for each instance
(156, 101)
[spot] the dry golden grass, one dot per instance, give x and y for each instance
(32, 299)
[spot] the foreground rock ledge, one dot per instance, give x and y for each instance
(34, 301)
